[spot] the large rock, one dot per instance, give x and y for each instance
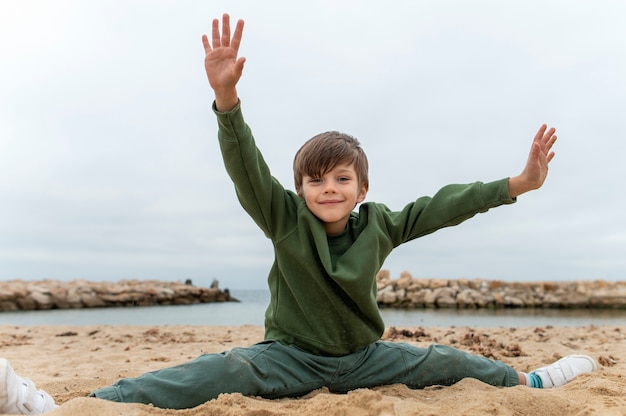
(478, 293)
(50, 294)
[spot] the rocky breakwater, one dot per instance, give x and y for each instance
(52, 294)
(407, 292)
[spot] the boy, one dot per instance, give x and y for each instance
(323, 326)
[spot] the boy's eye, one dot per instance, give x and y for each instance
(343, 179)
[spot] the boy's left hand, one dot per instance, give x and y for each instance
(536, 169)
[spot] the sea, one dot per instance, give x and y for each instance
(251, 307)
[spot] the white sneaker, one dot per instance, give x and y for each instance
(565, 370)
(19, 396)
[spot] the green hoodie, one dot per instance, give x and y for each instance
(323, 288)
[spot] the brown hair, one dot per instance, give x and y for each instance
(324, 152)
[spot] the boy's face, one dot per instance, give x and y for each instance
(332, 197)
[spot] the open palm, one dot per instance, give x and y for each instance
(223, 67)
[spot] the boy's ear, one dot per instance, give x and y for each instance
(362, 194)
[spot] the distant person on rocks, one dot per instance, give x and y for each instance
(322, 326)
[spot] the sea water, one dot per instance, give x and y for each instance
(251, 310)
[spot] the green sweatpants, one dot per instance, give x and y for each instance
(271, 370)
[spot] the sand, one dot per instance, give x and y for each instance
(70, 361)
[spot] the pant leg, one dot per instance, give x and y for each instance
(268, 369)
(385, 363)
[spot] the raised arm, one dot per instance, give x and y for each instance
(536, 169)
(223, 67)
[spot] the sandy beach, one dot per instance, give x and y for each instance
(71, 361)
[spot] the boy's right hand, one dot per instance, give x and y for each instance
(223, 67)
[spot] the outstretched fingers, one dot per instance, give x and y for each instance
(550, 140)
(546, 138)
(206, 44)
(225, 30)
(215, 38)
(223, 39)
(215, 34)
(236, 40)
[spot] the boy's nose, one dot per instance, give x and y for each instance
(329, 187)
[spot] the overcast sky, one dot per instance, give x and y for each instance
(110, 167)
